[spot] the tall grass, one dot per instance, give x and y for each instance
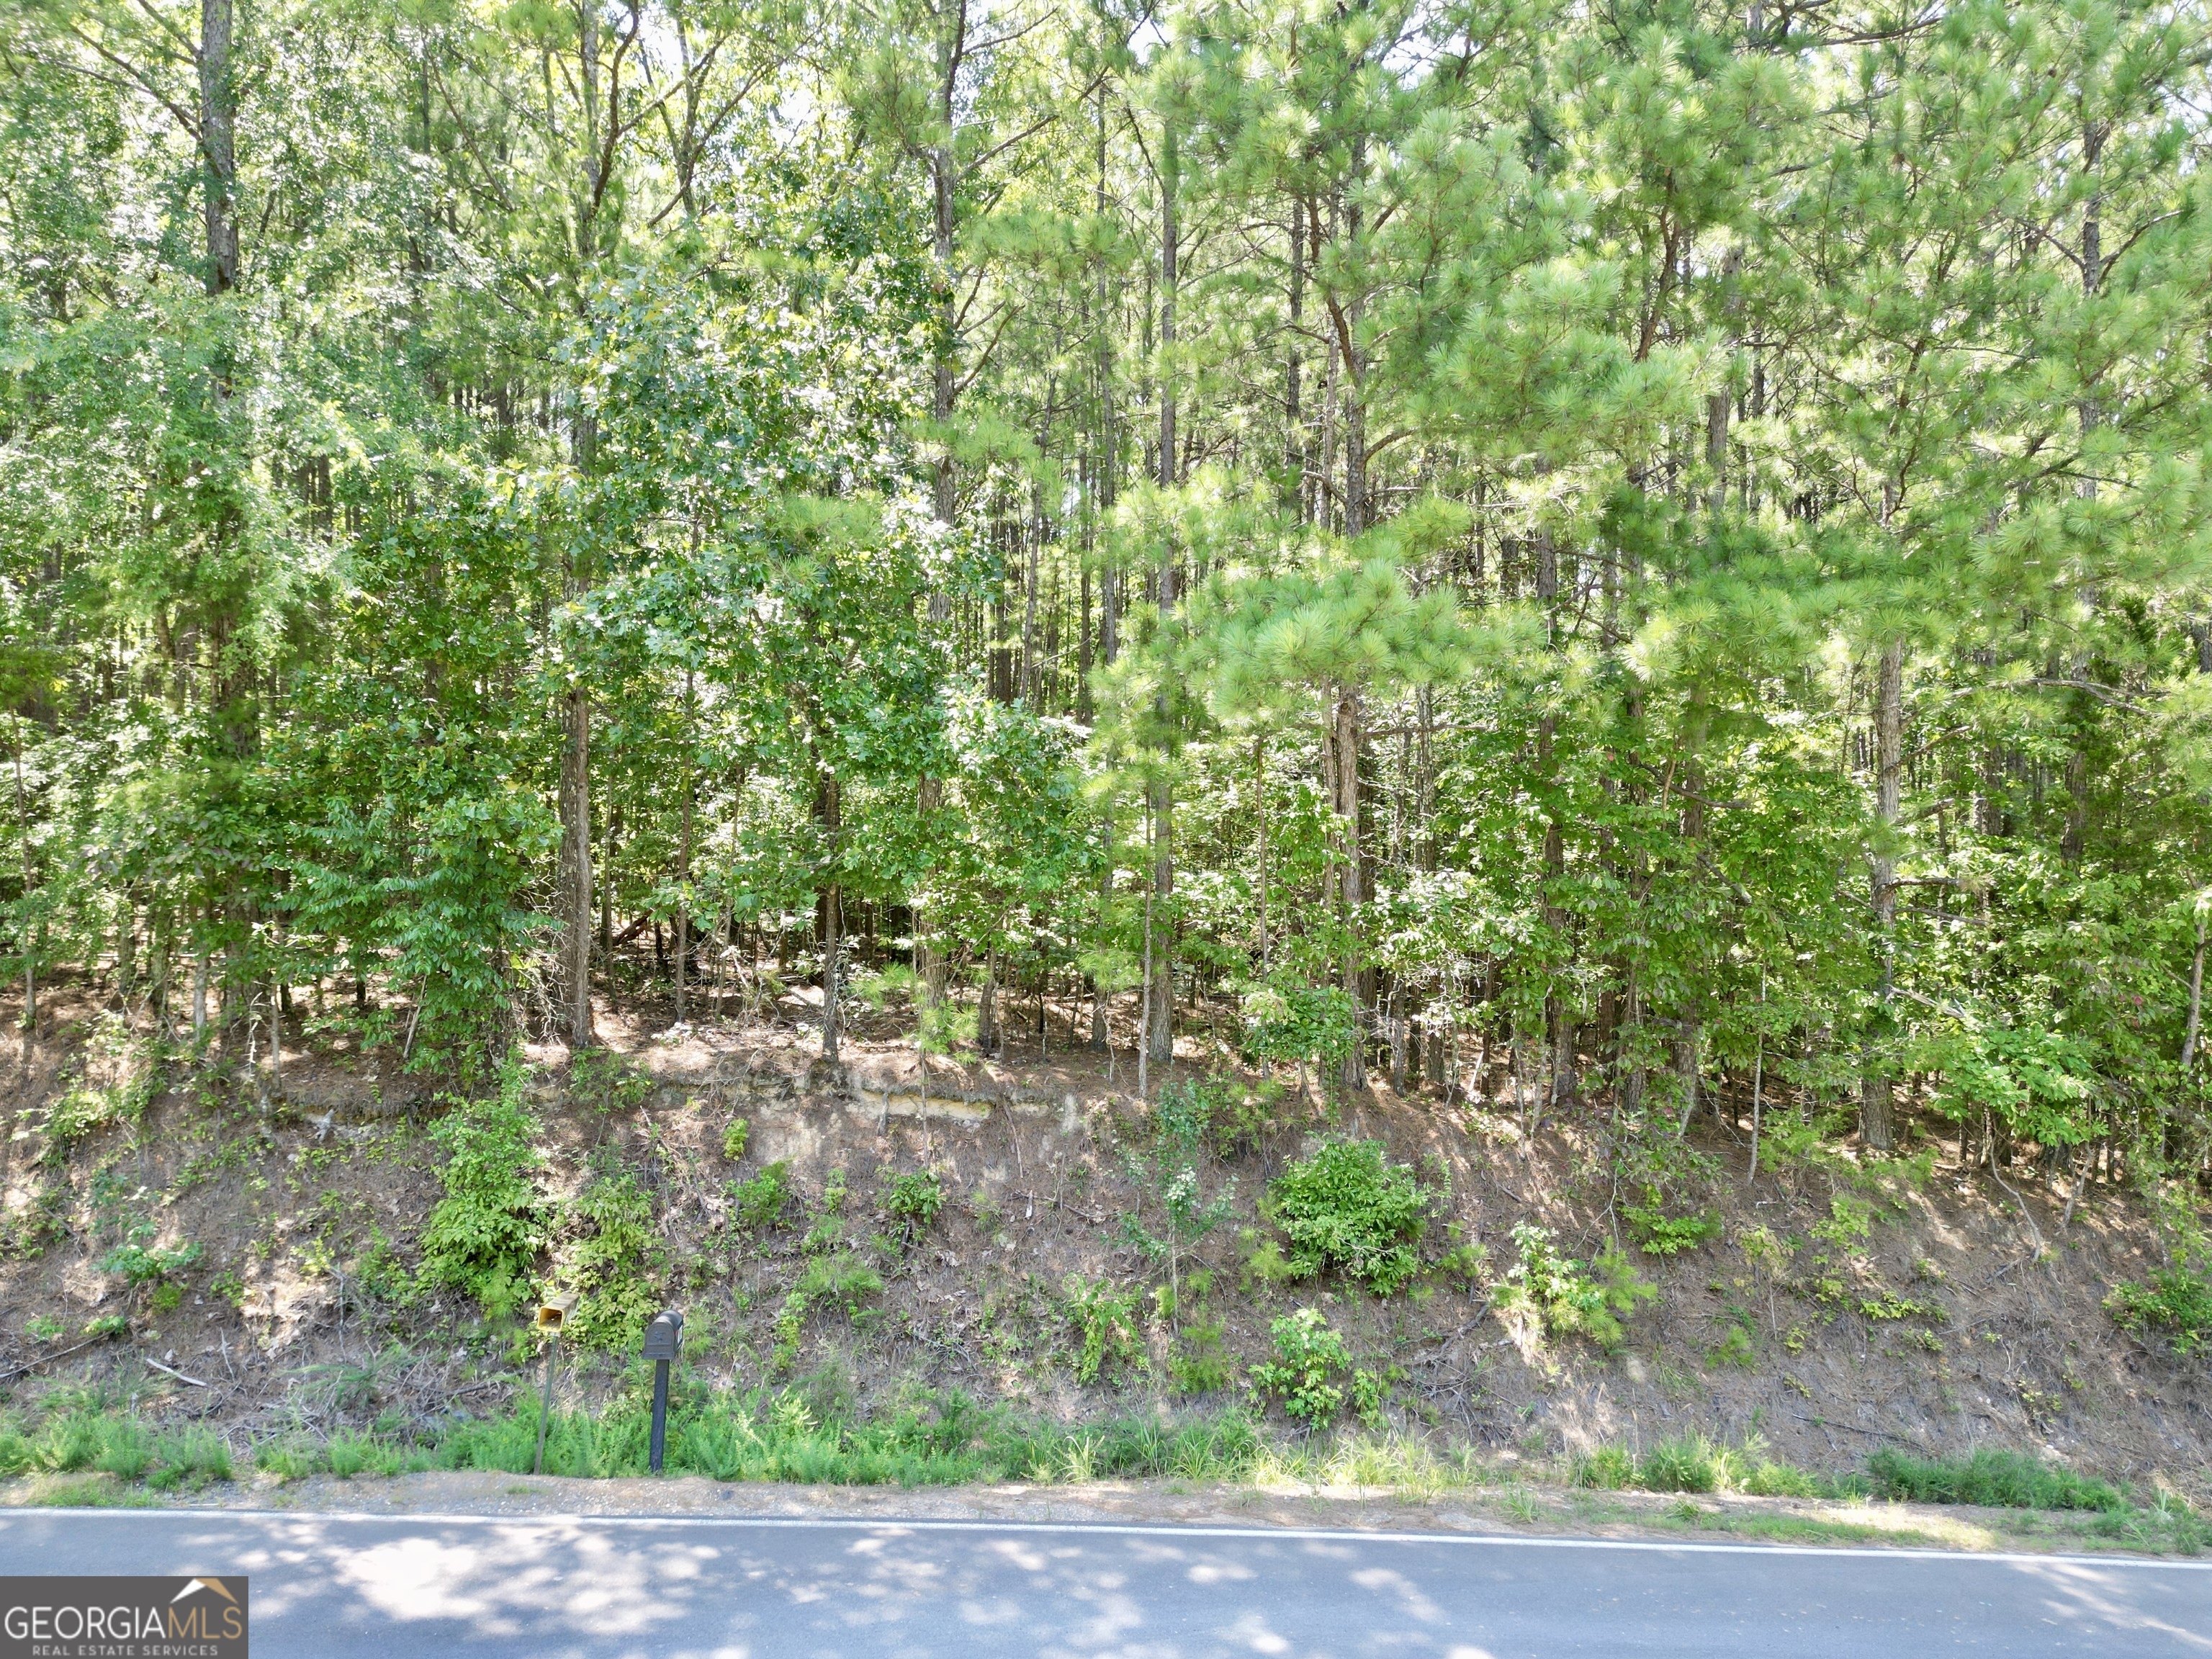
(2000, 1480)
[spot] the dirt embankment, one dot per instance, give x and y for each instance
(1924, 1311)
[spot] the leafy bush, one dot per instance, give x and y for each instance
(1661, 1235)
(914, 1201)
(736, 1138)
(484, 1235)
(759, 1203)
(1559, 1296)
(2178, 1299)
(1310, 1355)
(614, 1263)
(1105, 1322)
(140, 1265)
(602, 1079)
(2002, 1479)
(1347, 1208)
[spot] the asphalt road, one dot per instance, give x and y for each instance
(332, 1587)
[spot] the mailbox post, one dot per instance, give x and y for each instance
(662, 1339)
(552, 1313)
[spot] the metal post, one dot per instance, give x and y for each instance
(545, 1405)
(552, 1313)
(659, 1413)
(663, 1342)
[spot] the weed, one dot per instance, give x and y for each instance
(1607, 1469)
(2178, 1299)
(759, 1203)
(1105, 1322)
(1555, 1293)
(1310, 1355)
(913, 1201)
(840, 1278)
(140, 1265)
(1661, 1235)
(1998, 1478)
(736, 1138)
(601, 1079)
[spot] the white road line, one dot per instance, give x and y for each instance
(1108, 1528)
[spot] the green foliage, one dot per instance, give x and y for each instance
(913, 1200)
(1312, 1371)
(1349, 1209)
(604, 1081)
(613, 1263)
(758, 1204)
(140, 1265)
(1104, 1321)
(735, 1138)
(1174, 1210)
(1999, 1478)
(1288, 1019)
(2177, 1299)
(1558, 1294)
(842, 1278)
(1661, 1235)
(484, 1235)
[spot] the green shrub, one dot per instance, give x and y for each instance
(2178, 1299)
(140, 1265)
(1565, 1299)
(483, 1236)
(1105, 1322)
(1661, 1235)
(1310, 1356)
(736, 1138)
(43, 1327)
(2002, 1479)
(613, 1264)
(759, 1203)
(1347, 1208)
(914, 1201)
(602, 1079)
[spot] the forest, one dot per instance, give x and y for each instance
(1650, 561)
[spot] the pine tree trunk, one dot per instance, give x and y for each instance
(1877, 1088)
(833, 919)
(1344, 769)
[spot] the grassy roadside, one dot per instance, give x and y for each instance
(81, 1452)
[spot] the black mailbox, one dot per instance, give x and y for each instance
(664, 1335)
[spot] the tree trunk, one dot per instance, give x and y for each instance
(833, 918)
(684, 860)
(1344, 777)
(218, 146)
(575, 883)
(1877, 1088)
(2195, 997)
